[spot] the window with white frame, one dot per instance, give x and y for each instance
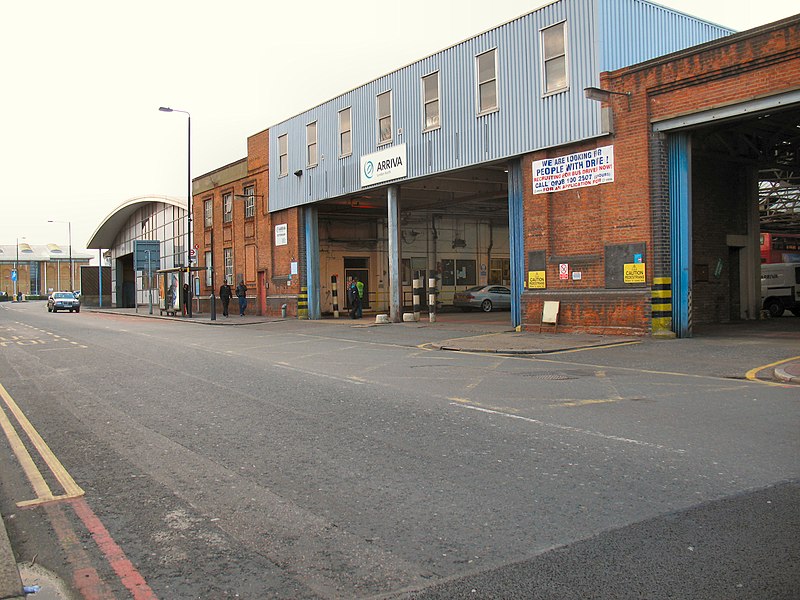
(283, 155)
(311, 144)
(209, 269)
(227, 257)
(486, 66)
(554, 58)
(345, 133)
(208, 214)
(249, 201)
(227, 207)
(384, 103)
(430, 101)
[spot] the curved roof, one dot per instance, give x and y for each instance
(106, 233)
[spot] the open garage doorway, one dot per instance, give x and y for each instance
(732, 181)
(453, 226)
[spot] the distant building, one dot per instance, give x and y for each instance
(40, 268)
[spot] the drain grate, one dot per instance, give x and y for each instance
(549, 376)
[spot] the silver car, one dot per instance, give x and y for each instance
(484, 297)
(63, 301)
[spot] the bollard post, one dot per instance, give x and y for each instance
(302, 303)
(432, 299)
(335, 296)
(213, 307)
(416, 292)
(283, 311)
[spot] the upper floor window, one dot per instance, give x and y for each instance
(554, 58)
(486, 65)
(311, 144)
(208, 215)
(249, 201)
(345, 133)
(385, 117)
(430, 100)
(283, 155)
(227, 207)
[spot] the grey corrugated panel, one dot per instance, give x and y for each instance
(601, 34)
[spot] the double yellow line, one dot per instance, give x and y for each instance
(40, 487)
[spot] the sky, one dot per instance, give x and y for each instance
(80, 130)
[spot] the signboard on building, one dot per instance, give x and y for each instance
(537, 280)
(581, 169)
(634, 273)
(384, 165)
(281, 234)
(146, 255)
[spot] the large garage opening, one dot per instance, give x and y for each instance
(742, 207)
(453, 226)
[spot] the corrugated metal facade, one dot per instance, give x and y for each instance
(601, 34)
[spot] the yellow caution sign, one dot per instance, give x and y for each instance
(634, 273)
(537, 280)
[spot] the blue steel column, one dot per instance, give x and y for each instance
(680, 199)
(393, 197)
(516, 239)
(312, 261)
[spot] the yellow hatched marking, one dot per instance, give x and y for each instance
(40, 487)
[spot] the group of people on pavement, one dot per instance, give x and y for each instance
(355, 297)
(225, 294)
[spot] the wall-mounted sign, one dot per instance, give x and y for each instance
(563, 271)
(281, 234)
(577, 276)
(581, 169)
(537, 280)
(384, 165)
(634, 273)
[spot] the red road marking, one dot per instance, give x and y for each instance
(127, 573)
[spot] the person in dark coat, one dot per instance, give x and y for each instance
(185, 298)
(225, 294)
(241, 294)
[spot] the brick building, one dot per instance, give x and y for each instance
(697, 136)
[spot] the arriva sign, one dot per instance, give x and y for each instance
(384, 165)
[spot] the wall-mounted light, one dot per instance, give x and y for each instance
(298, 172)
(601, 95)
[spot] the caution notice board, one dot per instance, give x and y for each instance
(537, 280)
(634, 273)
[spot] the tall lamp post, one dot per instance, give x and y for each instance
(189, 201)
(69, 229)
(16, 272)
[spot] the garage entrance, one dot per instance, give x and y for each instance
(453, 226)
(732, 178)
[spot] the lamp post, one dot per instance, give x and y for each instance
(189, 201)
(69, 229)
(16, 271)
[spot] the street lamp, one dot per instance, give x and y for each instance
(189, 200)
(69, 225)
(16, 271)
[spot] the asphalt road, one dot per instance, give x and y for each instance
(305, 460)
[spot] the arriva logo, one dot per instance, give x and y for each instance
(369, 169)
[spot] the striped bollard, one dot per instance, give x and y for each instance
(432, 299)
(335, 297)
(416, 292)
(302, 303)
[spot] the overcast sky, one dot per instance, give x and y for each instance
(80, 130)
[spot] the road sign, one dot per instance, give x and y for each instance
(193, 252)
(146, 255)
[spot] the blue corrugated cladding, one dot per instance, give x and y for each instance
(633, 31)
(527, 119)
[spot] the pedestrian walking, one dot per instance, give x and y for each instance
(185, 302)
(241, 294)
(225, 294)
(352, 296)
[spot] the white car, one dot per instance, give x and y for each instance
(63, 301)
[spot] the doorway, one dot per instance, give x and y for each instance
(357, 267)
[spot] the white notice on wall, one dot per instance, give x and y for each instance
(281, 234)
(581, 169)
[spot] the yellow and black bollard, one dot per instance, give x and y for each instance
(302, 303)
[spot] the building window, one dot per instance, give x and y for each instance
(227, 207)
(554, 57)
(208, 214)
(227, 257)
(249, 201)
(209, 269)
(486, 65)
(430, 101)
(345, 133)
(385, 117)
(283, 155)
(311, 144)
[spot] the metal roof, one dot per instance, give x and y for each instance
(40, 253)
(106, 232)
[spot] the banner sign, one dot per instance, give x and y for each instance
(384, 165)
(146, 255)
(581, 169)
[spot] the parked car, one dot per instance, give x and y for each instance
(484, 297)
(63, 301)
